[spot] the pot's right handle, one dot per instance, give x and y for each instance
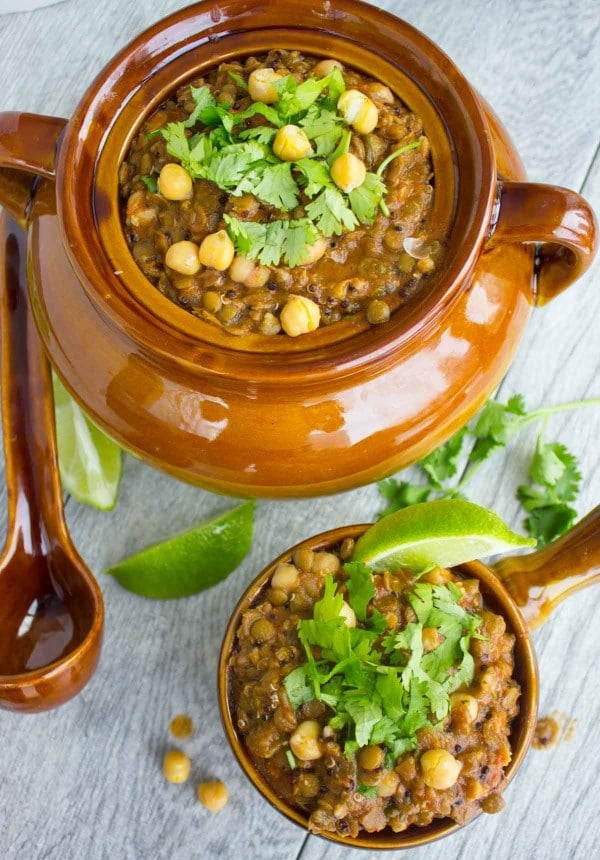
(28, 144)
(538, 582)
(559, 219)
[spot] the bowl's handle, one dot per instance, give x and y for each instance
(28, 144)
(538, 582)
(560, 220)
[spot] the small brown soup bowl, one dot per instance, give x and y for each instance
(277, 416)
(522, 589)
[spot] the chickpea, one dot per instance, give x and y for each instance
(325, 562)
(380, 92)
(300, 316)
(325, 67)
(378, 312)
(348, 614)
(467, 704)
(174, 182)
(437, 576)
(217, 251)
(348, 172)
(291, 143)
(358, 110)
(285, 577)
(213, 795)
(176, 766)
(260, 85)
(440, 769)
(270, 324)
(257, 278)
(182, 726)
(426, 265)
(183, 257)
(304, 559)
(304, 742)
(388, 784)
(240, 268)
(315, 252)
(371, 757)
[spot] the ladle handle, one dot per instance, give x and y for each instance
(538, 582)
(34, 492)
(28, 144)
(560, 220)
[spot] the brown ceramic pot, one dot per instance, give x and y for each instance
(523, 589)
(261, 416)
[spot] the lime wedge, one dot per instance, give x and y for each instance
(89, 462)
(192, 561)
(445, 532)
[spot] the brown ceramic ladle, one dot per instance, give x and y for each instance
(523, 589)
(51, 609)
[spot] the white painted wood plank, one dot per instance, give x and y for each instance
(85, 780)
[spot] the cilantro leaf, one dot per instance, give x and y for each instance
(401, 494)
(299, 235)
(365, 199)
(291, 760)
(550, 522)
(360, 587)
(150, 182)
(331, 212)
(277, 187)
(315, 175)
(297, 687)
(202, 98)
(442, 463)
(553, 465)
(239, 80)
(177, 142)
(367, 790)
(365, 713)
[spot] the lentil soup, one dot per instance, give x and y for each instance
(374, 700)
(282, 193)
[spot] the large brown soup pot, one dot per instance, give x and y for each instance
(278, 416)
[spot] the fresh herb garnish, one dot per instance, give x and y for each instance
(291, 760)
(555, 482)
(150, 182)
(553, 470)
(383, 688)
(215, 143)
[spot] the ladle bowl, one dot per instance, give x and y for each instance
(51, 608)
(523, 589)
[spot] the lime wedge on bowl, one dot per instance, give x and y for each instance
(445, 532)
(88, 461)
(192, 561)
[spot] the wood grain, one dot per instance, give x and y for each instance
(85, 781)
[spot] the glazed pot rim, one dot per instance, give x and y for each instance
(525, 722)
(335, 350)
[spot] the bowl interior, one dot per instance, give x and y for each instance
(198, 38)
(521, 730)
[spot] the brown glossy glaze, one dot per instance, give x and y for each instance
(569, 563)
(51, 609)
(347, 404)
(538, 582)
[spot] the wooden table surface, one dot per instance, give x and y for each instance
(84, 781)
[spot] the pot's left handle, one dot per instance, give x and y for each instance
(561, 221)
(538, 582)
(28, 144)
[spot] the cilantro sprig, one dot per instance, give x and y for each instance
(553, 468)
(217, 143)
(383, 688)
